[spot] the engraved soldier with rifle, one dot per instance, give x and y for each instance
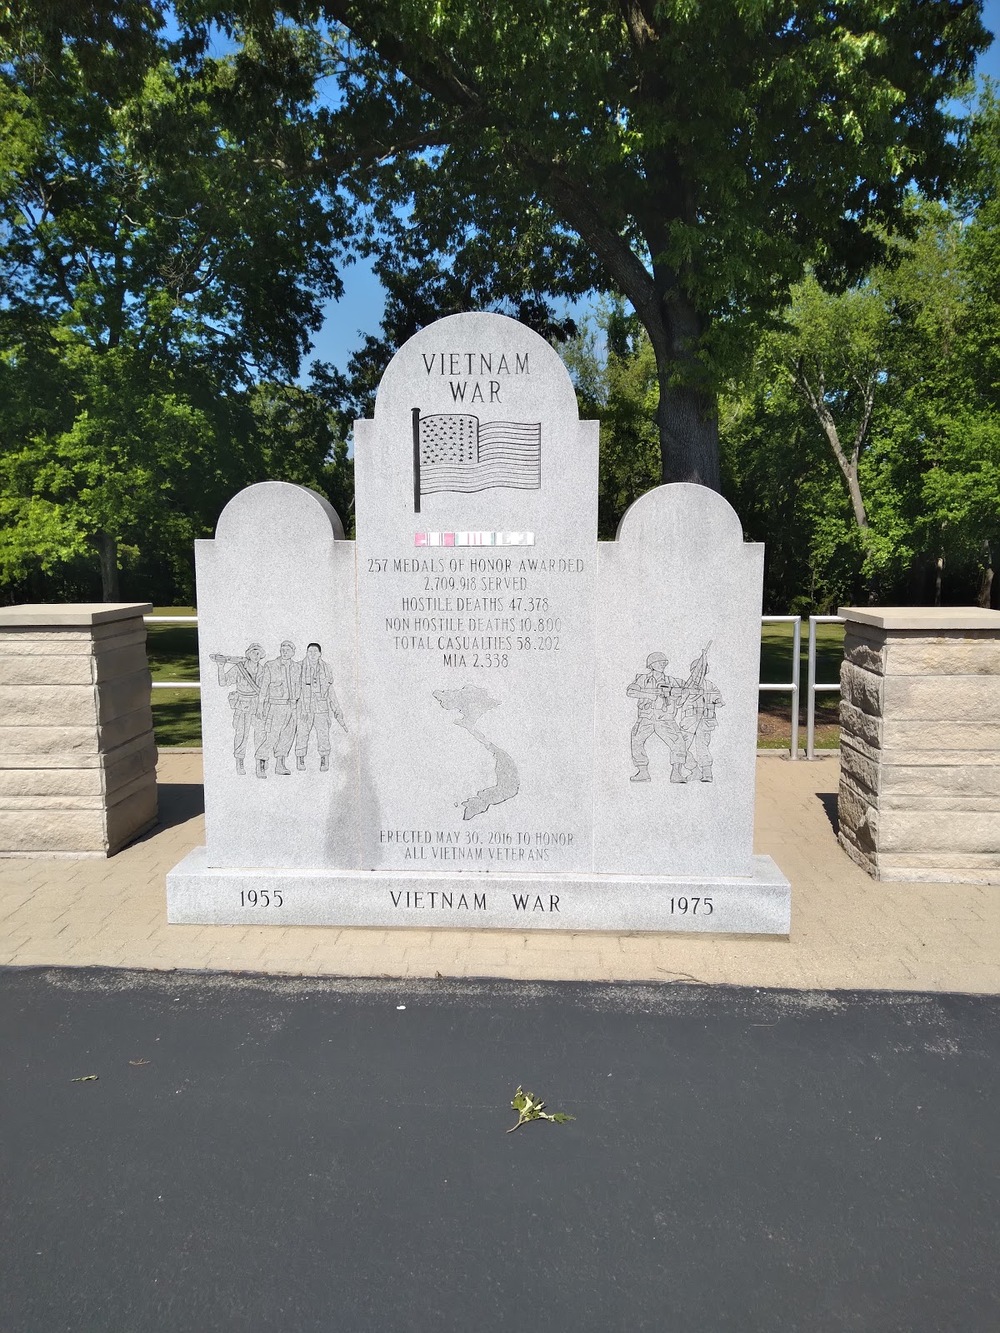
(658, 697)
(243, 676)
(698, 718)
(681, 712)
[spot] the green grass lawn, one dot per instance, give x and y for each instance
(173, 655)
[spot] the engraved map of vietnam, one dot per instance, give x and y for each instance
(471, 702)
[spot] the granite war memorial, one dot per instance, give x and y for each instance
(476, 714)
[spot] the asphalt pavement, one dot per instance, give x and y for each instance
(263, 1153)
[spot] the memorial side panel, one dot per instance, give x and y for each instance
(678, 652)
(476, 504)
(278, 674)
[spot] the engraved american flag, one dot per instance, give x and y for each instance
(455, 451)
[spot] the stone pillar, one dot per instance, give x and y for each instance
(920, 743)
(77, 755)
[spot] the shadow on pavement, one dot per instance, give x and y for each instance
(828, 800)
(178, 803)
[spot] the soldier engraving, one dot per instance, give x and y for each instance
(698, 718)
(242, 675)
(316, 703)
(279, 691)
(658, 697)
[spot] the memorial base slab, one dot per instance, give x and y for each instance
(198, 894)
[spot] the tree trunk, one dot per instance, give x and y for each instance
(107, 549)
(814, 392)
(985, 597)
(687, 414)
(689, 432)
(938, 579)
(848, 466)
(854, 491)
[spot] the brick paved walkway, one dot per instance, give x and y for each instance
(847, 932)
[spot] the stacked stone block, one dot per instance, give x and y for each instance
(920, 743)
(77, 754)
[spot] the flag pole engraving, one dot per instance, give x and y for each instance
(455, 451)
(416, 459)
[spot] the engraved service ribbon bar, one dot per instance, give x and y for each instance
(473, 539)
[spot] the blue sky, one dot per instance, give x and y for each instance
(361, 307)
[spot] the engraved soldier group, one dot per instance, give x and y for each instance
(282, 702)
(682, 713)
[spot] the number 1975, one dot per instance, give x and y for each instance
(696, 906)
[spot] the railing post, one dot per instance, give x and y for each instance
(792, 686)
(811, 692)
(796, 676)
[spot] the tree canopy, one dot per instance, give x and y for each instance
(863, 444)
(861, 436)
(695, 158)
(752, 185)
(162, 247)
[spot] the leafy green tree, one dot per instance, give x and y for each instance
(966, 483)
(163, 244)
(784, 483)
(298, 436)
(980, 206)
(692, 157)
(614, 371)
(836, 347)
(111, 465)
(886, 382)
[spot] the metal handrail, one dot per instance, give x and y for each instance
(792, 687)
(173, 620)
(811, 685)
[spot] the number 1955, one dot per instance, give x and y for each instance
(260, 898)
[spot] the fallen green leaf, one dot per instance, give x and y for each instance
(530, 1107)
